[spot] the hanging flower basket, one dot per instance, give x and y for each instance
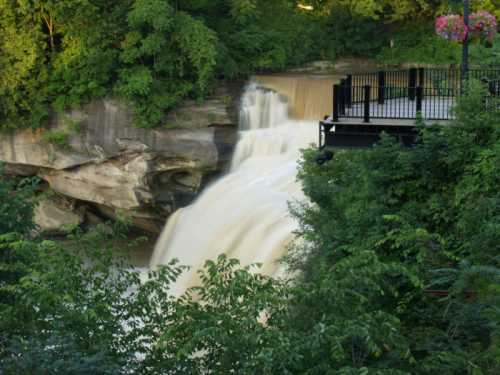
(451, 27)
(482, 27)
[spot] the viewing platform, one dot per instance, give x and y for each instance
(367, 104)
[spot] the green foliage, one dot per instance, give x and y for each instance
(352, 34)
(486, 57)
(74, 126)
(258, 35)
(385, 228)
(399, 274)
(386, 10)
(398, 267)
(157, 53)
(229, 324)
(57, 138)
(71, 311)
(153, 53)
(75, 302)
(417, 43)
(55, 355)
(55, 52)
(16, 204)
(197, 43)
(23, 73)
(81, 308)
(160, 72)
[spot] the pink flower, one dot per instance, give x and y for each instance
(451, 27)
(483, 26)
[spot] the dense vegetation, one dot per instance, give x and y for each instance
(399, 273)
(401, 255)
(156, 53)
(398, 266)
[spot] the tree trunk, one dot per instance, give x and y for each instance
(49, 22)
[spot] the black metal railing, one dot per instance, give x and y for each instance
(380, 78)
(405, 94)
(429, 102)
(494, 87)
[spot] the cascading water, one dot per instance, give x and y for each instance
(245, 213)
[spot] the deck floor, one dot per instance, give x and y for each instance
(439, 108)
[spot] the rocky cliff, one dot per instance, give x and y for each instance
(95, 157)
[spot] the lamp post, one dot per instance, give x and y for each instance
(465, 49)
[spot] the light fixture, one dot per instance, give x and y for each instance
(305, 7)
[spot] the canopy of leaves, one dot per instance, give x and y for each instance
(153, 53)
(16, 204)
(157, 53)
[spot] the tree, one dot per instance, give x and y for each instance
(152, 53)
(385, 9)
(77, 310)
(389, 231)
(168, 56)
(22, 70)
(230, 323)
(54, 52)
(16, 204)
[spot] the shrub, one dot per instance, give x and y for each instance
(385, 230)
(57, 138)
(418, 44)
(16, 204)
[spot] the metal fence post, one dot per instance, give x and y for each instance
(336, 95)
(381, 87)
(420, 97)
(493, 87)
(367, 89)
(349, 90)
(412, 83)
(343, 97)
(465, 44)
(320, 140)
(421, 77)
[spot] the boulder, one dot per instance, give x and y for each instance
(53, 218)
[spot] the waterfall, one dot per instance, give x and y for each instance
(245, 213)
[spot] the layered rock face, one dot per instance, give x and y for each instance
(97, 158)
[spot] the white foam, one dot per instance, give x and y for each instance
(245, 213)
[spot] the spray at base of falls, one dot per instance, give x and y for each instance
(245, 213)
